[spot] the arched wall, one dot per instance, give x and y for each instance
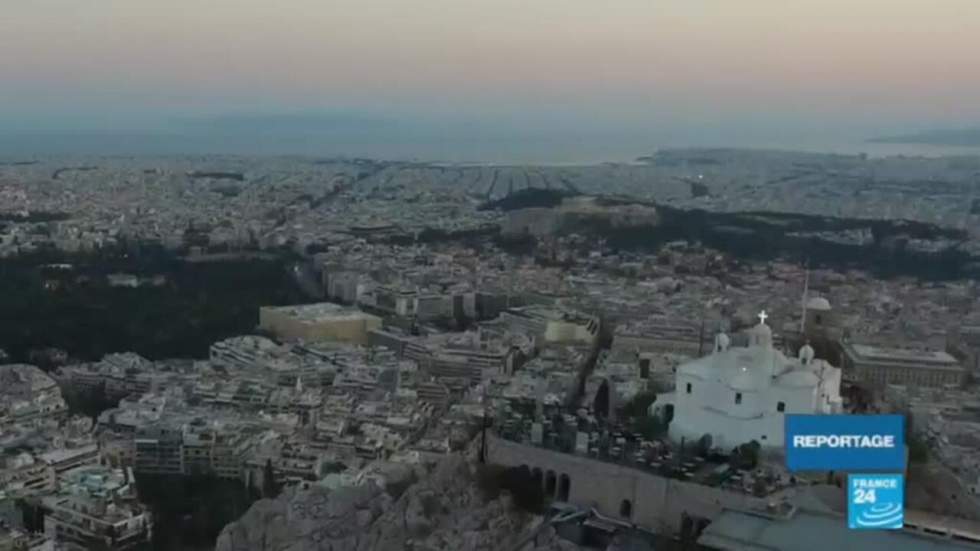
(658, 503)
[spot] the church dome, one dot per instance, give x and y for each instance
(722, 342)
(807, 354)
(819, 304)
(760, 335)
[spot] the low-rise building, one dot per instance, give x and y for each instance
(28, 395)
(97, 507)
(159, 450)
(882, 365)
(67, 458)
(318, 322)
(552, 325)
(17, 540)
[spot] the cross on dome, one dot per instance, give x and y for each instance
(762, 317)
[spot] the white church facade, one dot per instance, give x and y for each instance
(740, 394)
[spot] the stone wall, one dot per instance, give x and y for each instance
(655, 502)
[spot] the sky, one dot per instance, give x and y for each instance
(424, 76)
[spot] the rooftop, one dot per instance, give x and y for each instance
(320, 311)
(23, 380)
(812, 531)
(873, 353)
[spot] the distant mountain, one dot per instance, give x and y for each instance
(964, 137)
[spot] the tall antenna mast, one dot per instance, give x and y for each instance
(701, 338)
(704, 307)
(806, 291)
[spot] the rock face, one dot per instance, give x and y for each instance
(443, 510)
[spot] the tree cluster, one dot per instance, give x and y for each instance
(745, 456)
(190, 511)
(77, 311)
(525, 490)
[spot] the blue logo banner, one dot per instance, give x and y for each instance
(845, 442)
(875, 501)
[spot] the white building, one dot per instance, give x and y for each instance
(28, 395)
(97, 508)
(740, 394)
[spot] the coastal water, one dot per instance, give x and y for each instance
(517, 149)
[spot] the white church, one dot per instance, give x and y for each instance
(740, 394)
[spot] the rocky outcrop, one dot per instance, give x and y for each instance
(307, 519)
(443, 510)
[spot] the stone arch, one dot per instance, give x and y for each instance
(564, 487)
(550, 484)
(626, 509)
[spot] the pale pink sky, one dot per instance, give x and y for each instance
(878, 62)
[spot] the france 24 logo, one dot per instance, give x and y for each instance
(876, 501)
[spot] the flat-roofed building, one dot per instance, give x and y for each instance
(551, 325)
(241, 352)
(22, 475)
(433, 392)
(392, 340)
(118, 375)
(968, 334)
(882, 365)
(664, 336)
(66, 459)
(318, 322)
(16, 540)
(158, 450)
(27, 394)
(395, 300)
(341, 285)
(97, 508)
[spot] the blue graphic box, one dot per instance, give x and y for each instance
(845, 442)
(875, 501)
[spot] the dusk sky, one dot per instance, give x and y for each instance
(646, 73)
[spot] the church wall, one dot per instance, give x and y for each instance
(728, 432)
(797, 400)
(712, 405)
(716, 395)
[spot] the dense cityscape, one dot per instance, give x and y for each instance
(241, 353)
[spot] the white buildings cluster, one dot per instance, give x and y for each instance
(97, 506)
(53, 461)
(233, 202)
(307, 409)
(947, 422)
(29, 395)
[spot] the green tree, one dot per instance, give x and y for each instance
(704, 445)
(527, 493)
(918, 449)
(649, 427)
(601, 403)
(639, 405)
(746, 456)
